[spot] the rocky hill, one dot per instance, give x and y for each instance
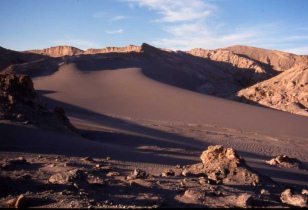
(278, 60)
(253, 70)
(233, 72)
(287, 92)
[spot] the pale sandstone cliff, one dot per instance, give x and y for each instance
(59, 51)
(127, 49)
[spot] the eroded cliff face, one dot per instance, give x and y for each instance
(127, 49)
(287, 92)
(229, 57)
(59, 51)
(246, 71)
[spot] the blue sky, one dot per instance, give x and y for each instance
(174, 24)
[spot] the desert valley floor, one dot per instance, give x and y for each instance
(140, 122)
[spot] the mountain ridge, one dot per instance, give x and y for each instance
(232, 72)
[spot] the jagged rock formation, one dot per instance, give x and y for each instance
(287, 92)
(59, 51)
(19, 102)
(251, 70)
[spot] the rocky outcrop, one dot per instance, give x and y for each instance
(245, 70)
(223, 165)
(59, 51)
(287, 92)
(19, 102)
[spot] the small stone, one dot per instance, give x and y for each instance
(112, 173)
(21, 202)
(304, 192)
(27, 122)
(177, 167)
(264, 192)
(98, 166)
(137, 174)
(89, 159)
(19, 117)
(284, 161)
(203, 181)
(76, 185)
(293, 199)
(244, 200)
(167, 173)
(22, 160)
(11, 202)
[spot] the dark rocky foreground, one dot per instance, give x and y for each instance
(20, 103)
(222, 179)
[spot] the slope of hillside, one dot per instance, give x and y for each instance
(11, 57)
(287, 91)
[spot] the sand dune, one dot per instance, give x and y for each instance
(129, 93)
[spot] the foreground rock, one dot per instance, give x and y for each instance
(76, 183)
(73, 176)
(223, 165)
(284, 161)
(137, 174)
(293, 199)
(19, 102)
